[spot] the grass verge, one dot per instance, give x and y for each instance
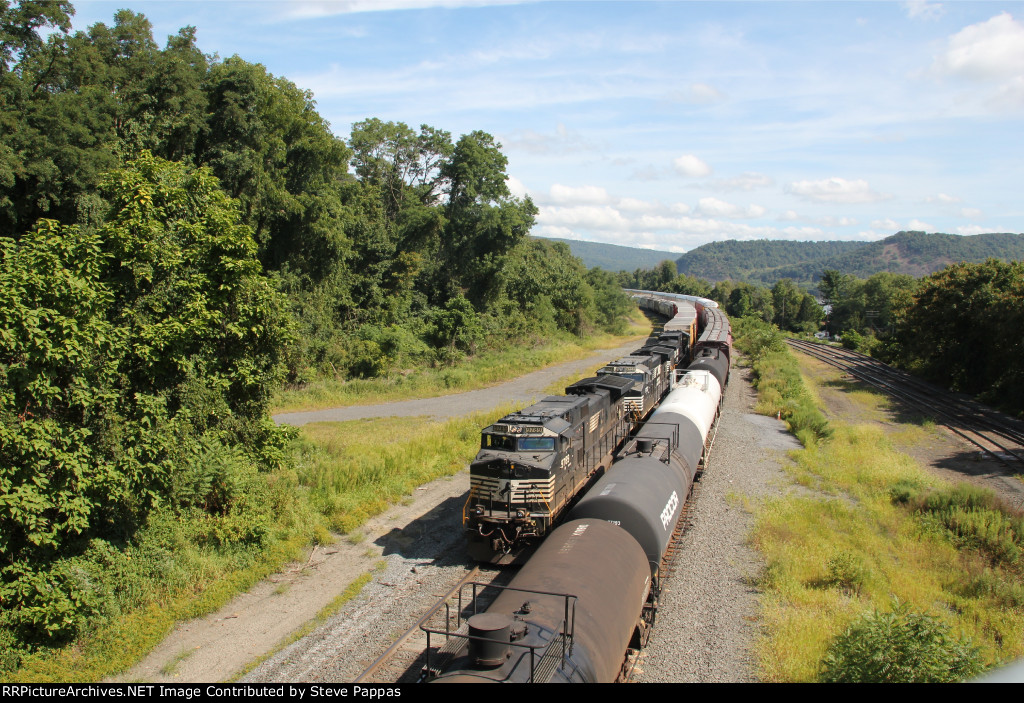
(474, 372)
(354, 470)
(879, 544)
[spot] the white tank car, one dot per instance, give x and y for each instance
(695, 397)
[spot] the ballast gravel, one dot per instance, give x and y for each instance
(707, 624)
(708, 620)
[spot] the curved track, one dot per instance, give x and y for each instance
(997, 435)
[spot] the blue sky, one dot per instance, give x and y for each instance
(668, 125)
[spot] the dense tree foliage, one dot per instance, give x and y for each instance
(963, 329)
(180, 233)
(137, 359)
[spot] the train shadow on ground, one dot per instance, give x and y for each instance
(431, 536)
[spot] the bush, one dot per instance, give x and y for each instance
(899, 647)
(852, 339)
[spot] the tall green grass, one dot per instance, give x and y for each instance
(354, 470)
(781, 388)
(874, 535)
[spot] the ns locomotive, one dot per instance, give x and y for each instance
(590, 592)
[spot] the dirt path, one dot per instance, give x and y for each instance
(254, 624)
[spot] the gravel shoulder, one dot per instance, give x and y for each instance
(707, 622)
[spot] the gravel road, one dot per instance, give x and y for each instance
(518, 390)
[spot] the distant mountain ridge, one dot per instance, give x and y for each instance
(613, 257)
(914, 253)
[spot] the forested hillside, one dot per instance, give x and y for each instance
(911, 253)
(612, 257)
(179, 235)
(755, 260)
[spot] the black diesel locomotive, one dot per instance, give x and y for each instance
(534, 463)
(590, 592)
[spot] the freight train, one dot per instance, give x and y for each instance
(590, 592)
(534, 463)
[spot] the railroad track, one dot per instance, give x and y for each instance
(996, 435)
(404, 660)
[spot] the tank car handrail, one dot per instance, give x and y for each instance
(673, 439)
(564, 629)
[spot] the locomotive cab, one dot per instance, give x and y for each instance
(515, 486)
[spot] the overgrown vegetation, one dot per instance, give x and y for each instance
(179, 234)
(781, 389)
(876, 527)
(899, 646)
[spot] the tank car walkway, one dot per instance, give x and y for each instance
(519, 390)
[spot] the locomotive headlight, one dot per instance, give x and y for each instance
(478, 510)
(520, 513)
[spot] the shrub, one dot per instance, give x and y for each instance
(900, 646)
(852, 339)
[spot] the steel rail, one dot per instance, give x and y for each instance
(979, 413)
(917, 400)
(390, 651)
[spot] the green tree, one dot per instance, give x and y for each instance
(120, 349)
(963, 330)
(483, 222)
(786, 299)
(749, 300)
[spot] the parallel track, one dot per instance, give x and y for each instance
(997, 435)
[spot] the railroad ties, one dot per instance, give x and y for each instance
(998, 436)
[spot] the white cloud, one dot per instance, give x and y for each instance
(891, 225)
(970, 230)
(924, 10)
(942, 198)
(989, 50)
(648, 173)
(1010, 95)
(554, 231)
(311, 9)
(793, 216)
(562, 141)
(744, 181)
(713, 207)
(835, 190)
(970, 212)
(691, 166)
(918, 226)
(516, 187)
(586, 216)
(583, 195)
(699, 94)
(635, 205)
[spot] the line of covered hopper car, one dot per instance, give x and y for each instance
(602, 474)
